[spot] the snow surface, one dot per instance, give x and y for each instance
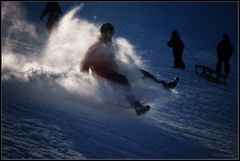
(52, 111)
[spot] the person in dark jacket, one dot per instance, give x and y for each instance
(224, 53)
(177, 44)
(54, 12)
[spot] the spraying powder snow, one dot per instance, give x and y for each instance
(59, 58)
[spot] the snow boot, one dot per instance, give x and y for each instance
(139, 107)
(172, 84)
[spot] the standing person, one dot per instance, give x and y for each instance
(224, 53)
(100, 58)
(54, 12)
(177, 44)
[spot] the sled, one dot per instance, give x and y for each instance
(210, 74)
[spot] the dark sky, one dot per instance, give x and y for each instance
(200, 24)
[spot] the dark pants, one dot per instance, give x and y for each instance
(178, 62)
(117, 78)
(52, 22)
(226, 66)
(149, 75)
(122, 80)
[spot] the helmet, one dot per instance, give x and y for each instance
(107, 27)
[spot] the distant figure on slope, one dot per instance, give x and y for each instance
(100, 58)
(54, 12)
(177, 44)
(224, 53)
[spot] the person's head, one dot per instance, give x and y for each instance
(225, 37)
(107, 31)
(175, 33)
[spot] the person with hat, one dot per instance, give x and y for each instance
(177, 46)
(224, 53)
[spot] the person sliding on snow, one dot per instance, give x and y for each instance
(101, 60)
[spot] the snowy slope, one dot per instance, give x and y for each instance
(51, 111)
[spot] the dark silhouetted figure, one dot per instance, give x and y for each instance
(177, 44)
(224, 53)
(54, 13)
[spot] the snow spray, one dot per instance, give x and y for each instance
(56, 57)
